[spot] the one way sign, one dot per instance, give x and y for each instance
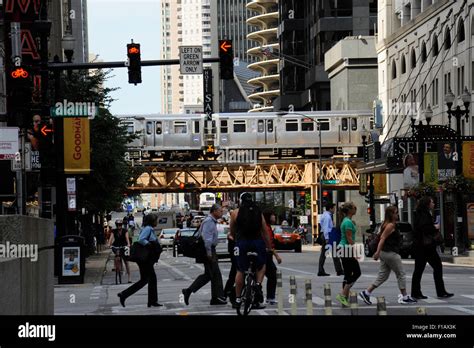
(190, 58)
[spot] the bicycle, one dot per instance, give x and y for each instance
(249, 290)
(119, 253)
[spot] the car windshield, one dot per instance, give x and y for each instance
(169, 231)
(187, 232)
(283, 229)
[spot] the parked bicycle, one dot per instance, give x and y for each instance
(119, 252)
(249, 290)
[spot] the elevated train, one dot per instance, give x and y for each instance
(270, 135)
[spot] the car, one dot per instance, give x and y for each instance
(406, 232)
(180, 235)
(167, 236)
(222, 249)
(196, 221)
(286, 238)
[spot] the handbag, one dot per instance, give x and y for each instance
(194, 246)
(140, 253)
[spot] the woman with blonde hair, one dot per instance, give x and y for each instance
(388, 250)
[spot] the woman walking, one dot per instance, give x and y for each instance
(147, 272)
(388, 250)
(349, 262)
(425, 243)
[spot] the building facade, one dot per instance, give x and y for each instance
(425, 48)
(308, 29)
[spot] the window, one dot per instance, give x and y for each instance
(240, 126)
(404, 65)
(447, 83)
(423, 53)
(196, 127)
(353, 124)
(292, 125)
(394, 70)
(324, 124)
(130, 127)
(307, 125)
(261, 126)
(180, 127)
(460, 80)
(435, 46)
(224, 127)
(461, 31)
(447, 39)
(413, 59)
(149, 128)
(345, 124)
(270, 126)
(158, 128)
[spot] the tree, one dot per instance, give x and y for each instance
(102, 190)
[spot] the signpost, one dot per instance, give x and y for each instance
(190, 60)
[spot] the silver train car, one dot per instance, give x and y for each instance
(271, 135)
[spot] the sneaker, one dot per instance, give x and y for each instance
(406, 300)
(365, 297)
(342, 300)
(258, 306)
(237, 303)
(271, 301)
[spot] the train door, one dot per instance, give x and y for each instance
(153, 133)
(197, 132)
(265, 132)
(348, 130)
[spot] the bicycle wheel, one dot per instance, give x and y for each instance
(249, 295)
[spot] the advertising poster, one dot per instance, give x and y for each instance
(431, 167)
(71, 261)
(447, 160)
(411, 175)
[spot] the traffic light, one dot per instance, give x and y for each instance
(19, 94)
(47, 153)
(226, 56)
(134, 63)
(325, 198)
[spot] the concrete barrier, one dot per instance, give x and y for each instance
(353, 303)
(294, 310)
(327, 299)
(279, 292)
(381, 306)
(309, 297)
(26, 286)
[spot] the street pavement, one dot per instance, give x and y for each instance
(99, 296)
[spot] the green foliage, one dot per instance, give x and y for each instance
(422, 189)
(458, 184)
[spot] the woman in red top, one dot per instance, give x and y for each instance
(271, 269)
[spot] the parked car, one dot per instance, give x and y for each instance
(180, 235)
(286, 238)
(222, 249)
(406, 232)
(167, 236)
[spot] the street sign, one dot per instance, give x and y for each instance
(190, 60)
(303, 220)
(71, 185)
(8, 142)
(208, 96)
(330, 182)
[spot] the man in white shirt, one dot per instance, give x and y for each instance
(326, 228)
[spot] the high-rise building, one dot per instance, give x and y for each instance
(308, 29)
(187, 23)
(265, 35)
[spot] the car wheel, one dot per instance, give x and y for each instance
(298, 247)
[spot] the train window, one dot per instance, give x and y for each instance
(149, 128)
(372, 125)
(196, 127)
(344, 124)
(224, 127)
(325, 124)
(354, 124)
(239, 126)
(307, 125)
(261, 126)
(159, 128)
(180, 127)
(270, 126)
(129, 126)
(292, 125)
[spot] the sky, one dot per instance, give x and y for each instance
(112, 24)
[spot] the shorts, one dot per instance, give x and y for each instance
(116, 251)
(244, 246)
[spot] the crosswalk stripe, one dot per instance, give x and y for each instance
(432, 300)
(469, 296)
(174, 269)
(318, 300)
(462, 309)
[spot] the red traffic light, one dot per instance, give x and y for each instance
(302, 193)
(226, 45)
(325, 193)
(181, 186)
(134, 50)
(20, 73)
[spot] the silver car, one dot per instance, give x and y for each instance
(167, 236)
(222, 248)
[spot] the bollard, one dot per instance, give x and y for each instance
(327, 299)
(353, 303)
(381, 306)
(293, 295)
(279, 293)
(309, 297)
(421, 311)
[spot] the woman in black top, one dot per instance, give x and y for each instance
(424, 248)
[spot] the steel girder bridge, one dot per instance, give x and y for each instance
(274, 175)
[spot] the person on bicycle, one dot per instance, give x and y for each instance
(118, 240)
(247, 228)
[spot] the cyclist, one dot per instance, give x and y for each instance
(118, 240)
(247, 228)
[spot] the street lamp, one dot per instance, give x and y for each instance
(428, 114)
(68, 42)
(457, 112)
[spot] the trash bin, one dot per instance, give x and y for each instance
(71, 260)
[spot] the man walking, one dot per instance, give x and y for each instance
(212, 272)
(326, 227)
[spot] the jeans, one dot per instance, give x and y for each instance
(147, 276)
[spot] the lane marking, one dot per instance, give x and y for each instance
(174, 269)
(469, 296)
(318, 300)
(296, 270)
(462, 309)
(262, 312)
(432, 300)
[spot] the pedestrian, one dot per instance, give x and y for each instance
(271, 269)
(147, 238)
(229, 288)
(212, 273)
(327, 225)
(349, 262)
(388, 250)
(426, 240)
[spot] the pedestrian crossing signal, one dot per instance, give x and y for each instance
(226, 56)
